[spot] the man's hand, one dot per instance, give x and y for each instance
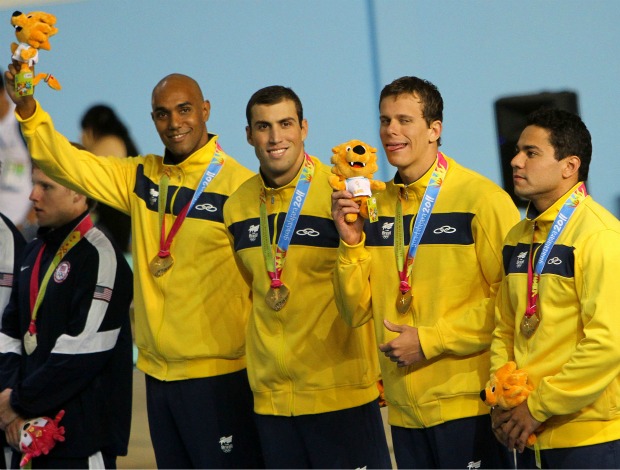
(405, 350)
(24, 105)
(14, 431)
(7, 415)
(513, 427)
(343, 204)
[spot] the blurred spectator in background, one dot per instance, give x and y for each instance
(104, 134)
(15, 182)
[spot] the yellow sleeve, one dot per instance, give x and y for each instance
(469, 331)
(595, 362)
(109, 180)
(352, 283)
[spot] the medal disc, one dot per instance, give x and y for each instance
(158, 265)
(404, 302)
(529, 325)
(30, 342)
(276, 297)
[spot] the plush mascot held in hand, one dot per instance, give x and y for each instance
(355, 163)
(39, 436)
(33, 31)
(508, 388)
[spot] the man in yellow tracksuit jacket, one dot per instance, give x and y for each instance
(564, 332)
(314, 378)
(190, 314)
(433, 323)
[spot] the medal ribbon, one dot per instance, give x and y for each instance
(405, 265)
(276, 264)
(38, 292)
(559, 224)
(217, 162)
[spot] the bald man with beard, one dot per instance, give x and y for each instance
(191, 303)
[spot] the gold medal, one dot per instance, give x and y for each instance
(404, 302)
(159, 266)
(529, 325)
(30, 342)
(276, 297)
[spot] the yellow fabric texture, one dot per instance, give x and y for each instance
(190, 323)
(302, 359)
(453, 287)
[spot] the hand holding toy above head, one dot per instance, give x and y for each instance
(33, 31)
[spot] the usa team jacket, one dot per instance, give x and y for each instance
(190, 323)
(573, 358)
(12, 244)
(455, 278)
(83, 359)
(303, 359)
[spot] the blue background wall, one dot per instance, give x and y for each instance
(336, 56)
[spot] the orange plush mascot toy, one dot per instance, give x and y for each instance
(355, 163)
(33, 31)
(508, 388)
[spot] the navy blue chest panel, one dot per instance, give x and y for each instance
(442, 229)
(309, 231)
(561, 260)
(208, 206)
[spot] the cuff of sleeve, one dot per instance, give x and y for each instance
(353, 253)
(534, 404)
(430, 341)
(31, 118)
(14, 401)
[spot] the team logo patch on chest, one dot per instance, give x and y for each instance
(386, 229)
(226, 443)
(62, 272)
(253, 232)
(521, 257)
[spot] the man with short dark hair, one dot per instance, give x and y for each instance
(557, 308)
(314, 378)
(426, 273)
(65, 339)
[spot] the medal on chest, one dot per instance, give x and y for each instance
(529, 325)
(163, 260)
(160, 265)
(276, 297)
(531, 320)
(30, 342)
(278, 294)
(38, 288)
(404, 302)
(405, 260)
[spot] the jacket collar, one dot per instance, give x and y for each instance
(197, 160)
(418, 187)
(546, 218)
(54, 237)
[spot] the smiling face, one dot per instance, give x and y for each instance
(410, 143)
(180, 114)
(54, 205)
(538, 175)
(278, 140)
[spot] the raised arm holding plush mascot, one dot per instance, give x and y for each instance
(33, 31)
(191, 342)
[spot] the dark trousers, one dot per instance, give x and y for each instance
(461, 443)
(203, 423)
(350, 438)
(51, 461)
(605, 455)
